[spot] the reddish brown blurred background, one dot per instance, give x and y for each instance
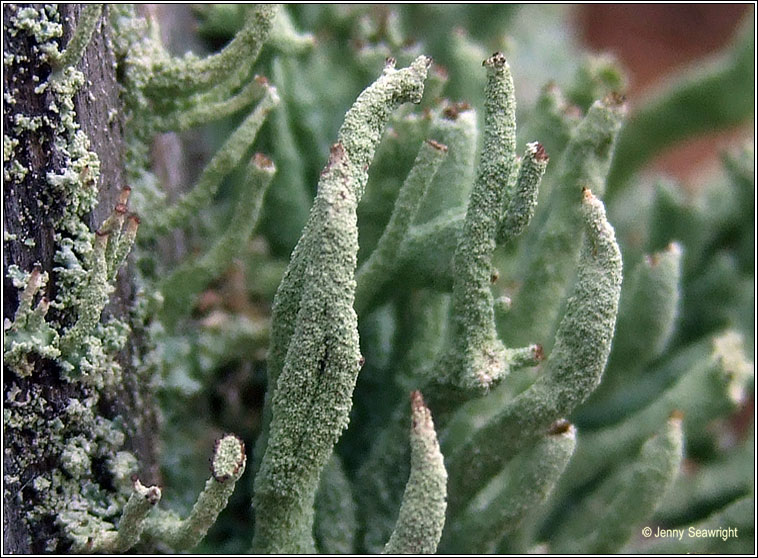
(652, 40)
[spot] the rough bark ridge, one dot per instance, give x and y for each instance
(30, 213)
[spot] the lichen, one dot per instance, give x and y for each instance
(422, 283)
(75, 436)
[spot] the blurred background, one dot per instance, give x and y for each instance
(648, 41)
(652, 40)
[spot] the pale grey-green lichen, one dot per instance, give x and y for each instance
(82, 35)
(227, 466)
(71, 495)
(573, 369)
(477, 358)
(506, 501)
(552, 257)
(422, 512)
(427, 303)
(315, 350)
(626, 497)
(376, 270)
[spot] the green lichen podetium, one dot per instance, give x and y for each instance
(227, 466)
(422, 512)
(626, 497)
(572, 370)
(489, 281)
(87, 262)
(476, 358)
(550, 262)
(29, 332)
(376, 270)
(315, 355)
(82, 35)
(62, 333)
(164, 93)
(505, 501)
(184, 283)
(130, 526)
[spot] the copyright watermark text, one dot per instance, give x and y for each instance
(723, 533)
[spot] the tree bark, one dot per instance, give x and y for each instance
(29, 217)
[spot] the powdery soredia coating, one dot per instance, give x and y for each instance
(315, 353)
(572, 371)
(422, 513)
(551, 259)
(477, 358)
(312, 398)
(366, 120)
(522, 201)
(363, 127)
(227, 466)
(626, 498)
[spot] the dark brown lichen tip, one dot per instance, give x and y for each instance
(539, 353)
(451, 112)
(540, 154)
(153, 495)
(417, 400)
(497, 60)
(614, 99)
(437, 145)
(262, 80)
(587, 194)
(560, 426)
(677, 415)
(262, 162)
(120, 208)
(134, 219)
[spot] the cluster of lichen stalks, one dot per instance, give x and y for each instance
(504, 432)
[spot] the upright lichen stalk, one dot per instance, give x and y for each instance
(315, 353)
(421, 259)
